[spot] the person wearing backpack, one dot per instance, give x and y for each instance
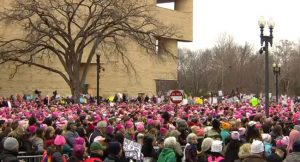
(216, 150)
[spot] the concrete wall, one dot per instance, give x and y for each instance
(115, 78)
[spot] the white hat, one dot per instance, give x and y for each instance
(251, 123)
(216, 146)
(266, 137)
(257, 147)
(11, 144)
(99, 138)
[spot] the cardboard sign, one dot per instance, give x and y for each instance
(132, 149)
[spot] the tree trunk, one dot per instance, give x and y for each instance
(76, 89)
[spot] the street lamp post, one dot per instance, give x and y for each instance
(98, 75)
(264, 41)
(276, 71)
(99, 69)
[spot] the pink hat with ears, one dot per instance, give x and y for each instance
(163, 131)
(128, 124)
(27, 114)
(140, 128)
(32, 129)
(120, 127)
(150, 121)
(79, 141)
(59, 140)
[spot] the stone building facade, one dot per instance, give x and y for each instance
(151, 75)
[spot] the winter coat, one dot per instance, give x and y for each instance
(274, 158)
(38, 145)
(167, 155)
(70, 137)
(9, 156)
(293, 157)
(190, 153)
(113, 158)
(254, 158)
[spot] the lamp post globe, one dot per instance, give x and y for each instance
(265, 41)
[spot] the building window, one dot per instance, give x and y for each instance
(156, 46)
(168, 4)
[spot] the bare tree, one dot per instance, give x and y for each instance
(284, 52)
(71, 30)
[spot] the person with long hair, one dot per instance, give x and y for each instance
(148, 150)
(293, 137)
(190, 150)
(233, 147)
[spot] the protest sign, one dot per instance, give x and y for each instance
(132, 149)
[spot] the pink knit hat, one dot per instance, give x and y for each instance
(59, 140)
(128, 124)
(79, 140)
(140, 128)
(32, 129)
(163, 131)
(120, 127)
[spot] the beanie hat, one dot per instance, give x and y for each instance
(206, 144)
(78, 150)
(163, 131)
(225, 125)
(257, 147)
(99, 138)
(114, 148)
(109, 129)
(199, 132)
(235, 135)
(32, 129)
(216, 146)
(120, 127)
(266, 137)
(101, 124)
(129, 124)
(59, 140)
(140, 128)
(79, 141)
(252, 123)
(11, 144)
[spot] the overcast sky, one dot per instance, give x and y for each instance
(239, 18)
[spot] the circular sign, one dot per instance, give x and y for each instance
(176, 96)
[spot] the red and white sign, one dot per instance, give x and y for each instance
(176, 96)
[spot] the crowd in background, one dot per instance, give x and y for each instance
(223, 131)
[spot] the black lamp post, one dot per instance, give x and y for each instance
(98, 75)
(99, 69)
(264, 41)
(276, 71)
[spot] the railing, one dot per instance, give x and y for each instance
(29, 158)
(32, 158)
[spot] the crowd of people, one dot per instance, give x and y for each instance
(219, 132)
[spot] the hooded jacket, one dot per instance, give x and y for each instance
(167, 155)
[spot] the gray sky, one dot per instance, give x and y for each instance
(239, 18)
